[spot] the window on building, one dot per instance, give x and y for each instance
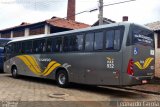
(36, 30)
(98, 43)
(89, 38)
(6, 35)
(18, 33)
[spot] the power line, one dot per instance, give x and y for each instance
(111, 5)
(95, 9)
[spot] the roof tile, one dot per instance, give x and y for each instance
(155, 26)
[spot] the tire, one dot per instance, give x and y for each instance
(14, 72)
(62, 79)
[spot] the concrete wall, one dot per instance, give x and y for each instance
(157, 57)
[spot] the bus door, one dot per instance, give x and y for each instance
(142, 63)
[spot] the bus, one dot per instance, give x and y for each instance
(3, 42)
(116, 54)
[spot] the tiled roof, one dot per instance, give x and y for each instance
(60, 22)
(54, 21)
(155, 26)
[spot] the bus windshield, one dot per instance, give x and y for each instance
(3, 42)
(142, 36)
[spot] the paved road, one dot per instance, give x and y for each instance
(44, 91)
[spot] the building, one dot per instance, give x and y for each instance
(105, 21)
(52, 25)
(155, 26)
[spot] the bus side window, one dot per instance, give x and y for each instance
(39, 46)
(57, 44)
(109, 40)
(117, 40)
(17, 48)
(78, 46)
(89, 38)
(27, 46)
(48, 45)
(66, 41)
(98, 43)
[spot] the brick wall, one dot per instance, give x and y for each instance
(18, 33)
(71, 10)
(6, 35)
(36, 30)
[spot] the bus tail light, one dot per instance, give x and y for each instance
(130, 67)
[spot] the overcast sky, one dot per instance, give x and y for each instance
(14, 12)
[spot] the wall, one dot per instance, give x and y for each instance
(157, 55)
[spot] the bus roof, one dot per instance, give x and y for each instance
(71, 31)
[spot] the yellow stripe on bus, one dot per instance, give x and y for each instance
(32, 64)
(138, 65)
(145, 65)
(52, 68)
(147, 62)
(27, 63)
(48, 67)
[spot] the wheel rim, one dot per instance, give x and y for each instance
(14, 72)
(62, 79)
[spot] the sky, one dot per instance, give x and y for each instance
(14, 12)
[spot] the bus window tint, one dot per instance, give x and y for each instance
(57, 44)
(89, 42)
(27, 46)
(98, 43)
(110, 40)
(79, 43)
(73, 43)
(39, 46)
(9, 49)
(17, 47)
(117, 40)
(48, 45)
(66, 43)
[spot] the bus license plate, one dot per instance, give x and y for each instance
(144, 81)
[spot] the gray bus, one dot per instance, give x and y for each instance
(114, 54)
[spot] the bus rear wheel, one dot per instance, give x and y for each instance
(62, 78)
(14, 72)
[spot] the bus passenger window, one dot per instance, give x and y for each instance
(110, 40)
(27, 46)
(98, 43)
(17, 47)
(57, 44)
(79, 43)
(117, 40)
(48, 45)
(89, 41)
(39, 46)
(66, 43)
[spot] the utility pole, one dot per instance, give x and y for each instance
(100, 16)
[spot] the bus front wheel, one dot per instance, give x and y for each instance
(62, 78)
(14, 72)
